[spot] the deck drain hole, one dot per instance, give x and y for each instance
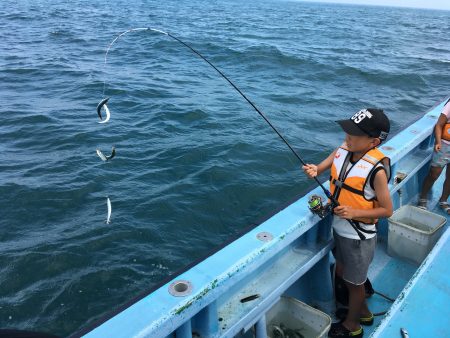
(264, 236)
(180, 288)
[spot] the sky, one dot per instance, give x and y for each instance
(435, 4)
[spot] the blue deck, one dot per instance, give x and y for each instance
(422, 294)
(294, 260)
(422, 308)
(388, 275)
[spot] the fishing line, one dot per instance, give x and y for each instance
(325, 190)
(221, 74)
(118, 37)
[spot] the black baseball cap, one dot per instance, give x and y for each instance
(370, 121)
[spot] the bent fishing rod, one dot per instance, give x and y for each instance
(102, 103)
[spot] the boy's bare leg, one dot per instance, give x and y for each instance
(339, 269)
(357, 306)
(446, 188)
(432, 176)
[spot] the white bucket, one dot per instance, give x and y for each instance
(295, 315)
(413, 232)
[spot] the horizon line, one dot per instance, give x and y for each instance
(362, 3)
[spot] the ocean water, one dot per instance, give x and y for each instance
(195, 164)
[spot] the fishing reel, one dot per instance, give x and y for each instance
(316, 206)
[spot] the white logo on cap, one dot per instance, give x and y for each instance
(361, 115)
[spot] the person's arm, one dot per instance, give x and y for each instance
(313, 170)
(438, 131)
(384, 208)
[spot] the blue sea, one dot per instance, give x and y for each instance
(195, 164)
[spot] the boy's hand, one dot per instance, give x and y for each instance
(310, 170)
(437, 147)
(344, 211)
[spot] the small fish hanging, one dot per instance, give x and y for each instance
(101, 105)
(106, 158)
(108, 218)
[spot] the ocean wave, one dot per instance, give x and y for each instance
(440, 49)
(267, 55)
(381, 77)
(21, 71)
(17, 15)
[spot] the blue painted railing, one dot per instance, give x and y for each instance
(289, 254)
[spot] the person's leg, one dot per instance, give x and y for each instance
(365, 312)
(446, 187)
(443, 204)
(355, 265)
(352, 260)
(428, 182)
(356, 306)
(339, 268)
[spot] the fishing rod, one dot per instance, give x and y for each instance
(317, 202)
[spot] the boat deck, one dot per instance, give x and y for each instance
(389, 276)
(422, 308)
(424, 293)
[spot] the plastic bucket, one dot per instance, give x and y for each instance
(290, 315)
(413, 232)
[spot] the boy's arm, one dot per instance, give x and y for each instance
(384, 208)
(438, 131)
(313, 170)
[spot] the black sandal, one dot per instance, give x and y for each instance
(342, 314)
(338, 330)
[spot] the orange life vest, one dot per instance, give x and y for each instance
(446, 132)
(352, 187)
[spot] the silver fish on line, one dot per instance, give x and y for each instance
(104, 157)
(103, 105)
(108, 218)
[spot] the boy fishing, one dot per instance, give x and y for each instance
(359, 182)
